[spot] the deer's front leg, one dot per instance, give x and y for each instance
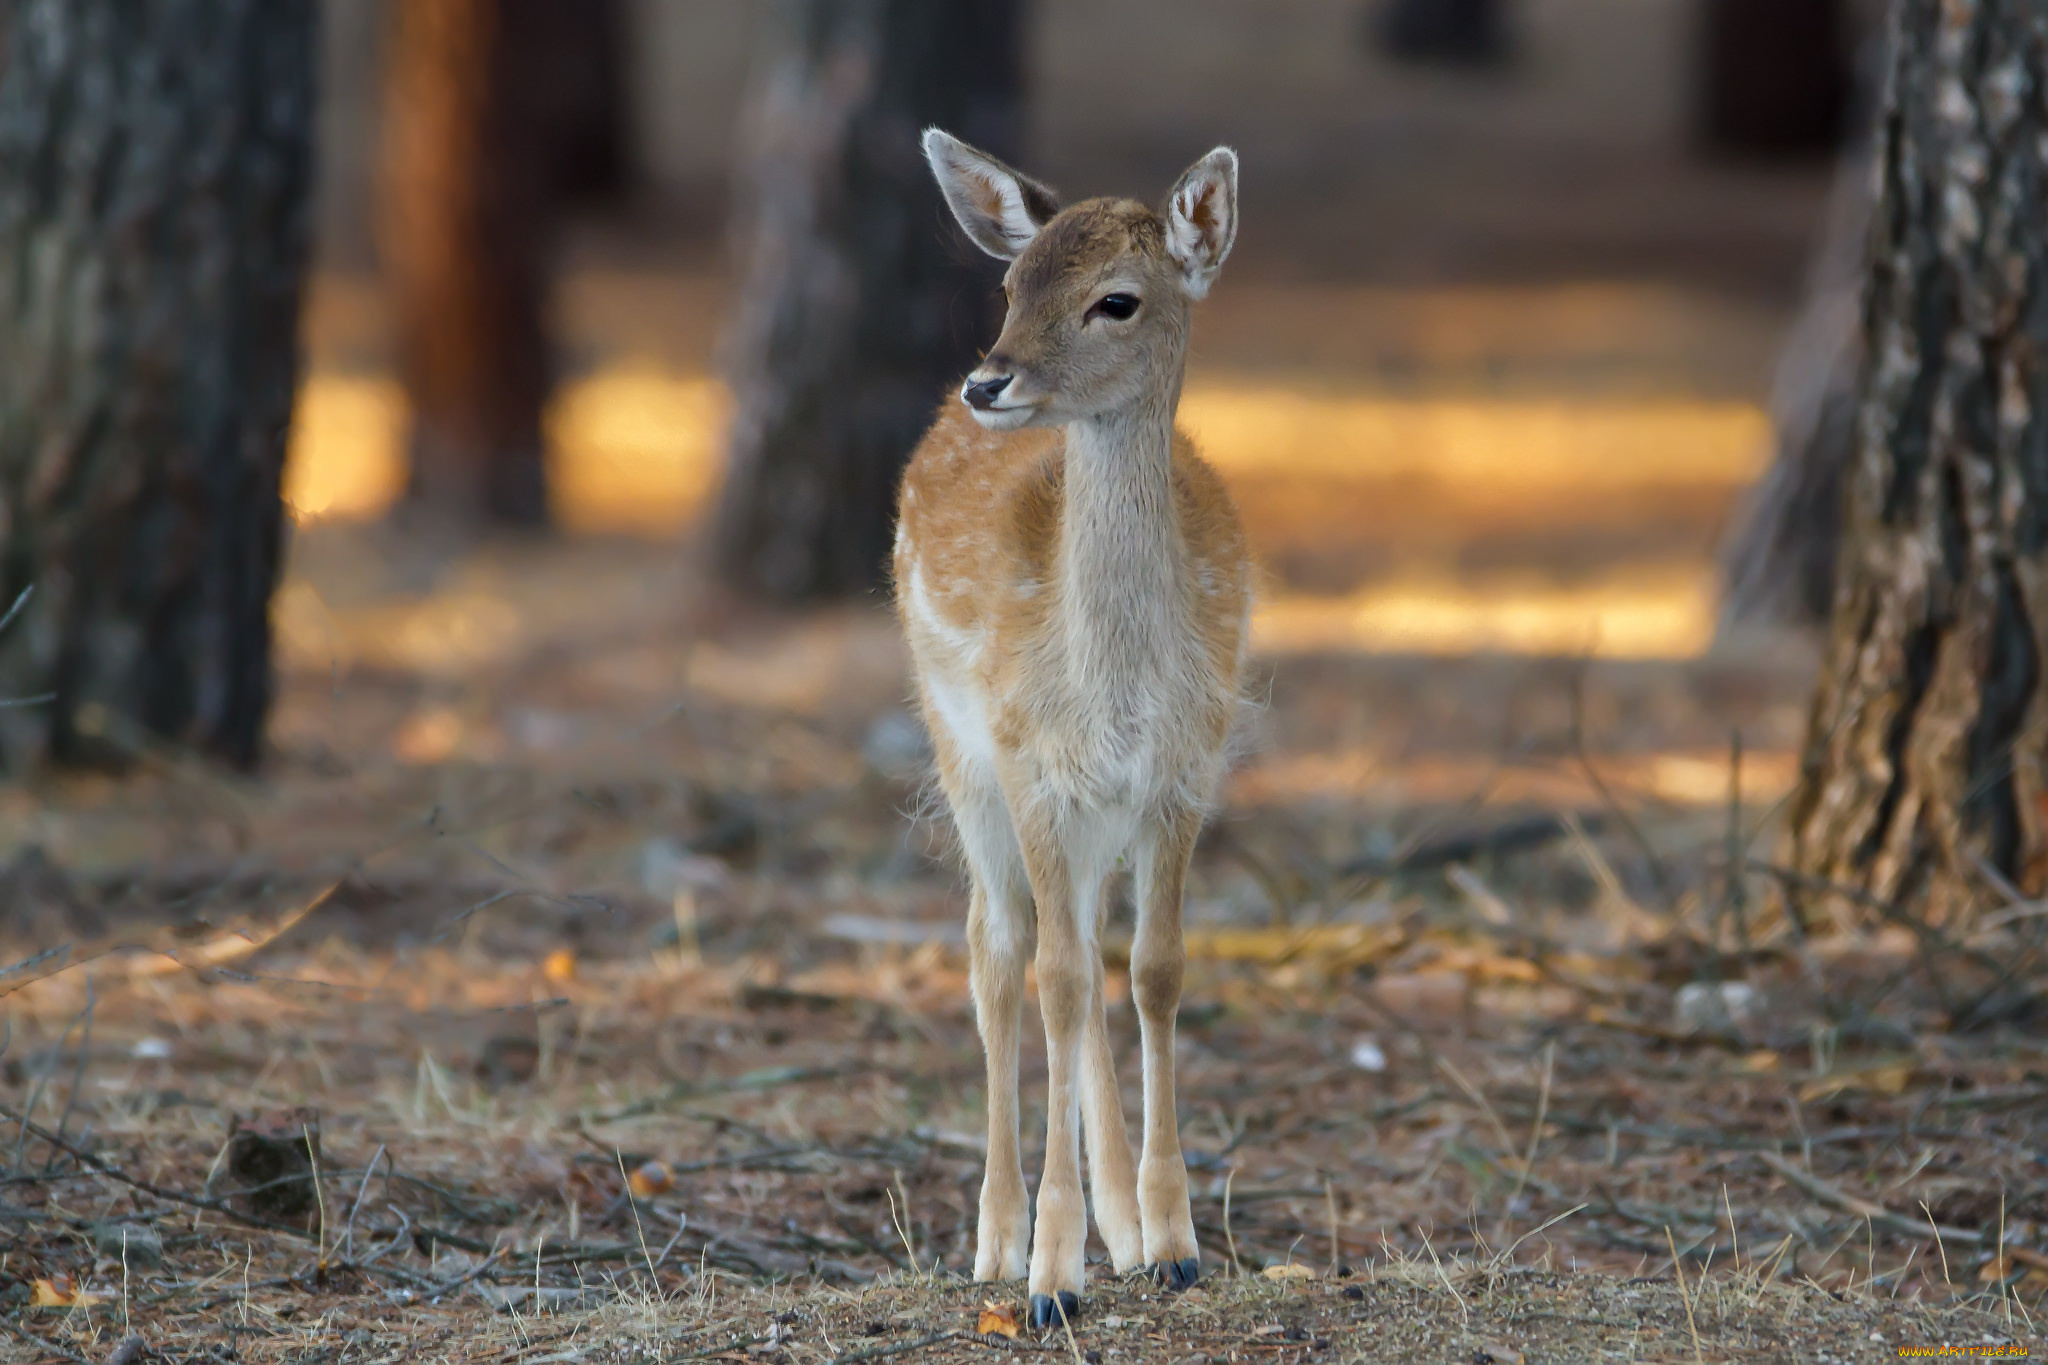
(1157, 965)
(998, 946)
(1065, 993)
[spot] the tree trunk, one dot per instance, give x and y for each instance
(1774, 75)
(1449, 32)
(1778, 566)
(1923, 760)
(496, 113)
(1778, 563)
(155, 187)
(860, 305)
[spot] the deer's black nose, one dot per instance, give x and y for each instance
(983, 394)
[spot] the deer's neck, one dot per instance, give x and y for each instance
(1120, 544)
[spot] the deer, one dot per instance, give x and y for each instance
(1074, 585)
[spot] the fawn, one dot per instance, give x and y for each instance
(1074, 585)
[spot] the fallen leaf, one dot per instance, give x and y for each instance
(1889, 1079)
(649, 1179)
(1290, 1271)
(997, 1319)
(559, 966)
(1760, 1061)
(61, 1291)
(2028, 1256)
(1996, 1269)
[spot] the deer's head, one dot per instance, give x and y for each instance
(1098, 292)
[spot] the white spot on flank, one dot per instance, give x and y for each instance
(963, 643)
(960, 710)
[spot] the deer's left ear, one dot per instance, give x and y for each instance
(1201, 219)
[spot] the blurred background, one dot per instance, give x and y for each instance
(1490, 371)
(584, 816)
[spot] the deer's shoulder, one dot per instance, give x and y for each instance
(969, 492)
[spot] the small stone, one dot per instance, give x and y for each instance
(134, 1244)
(1715, 1007)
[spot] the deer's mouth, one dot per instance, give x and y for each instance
(1005, 416)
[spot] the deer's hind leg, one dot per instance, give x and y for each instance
(1158, 962)
(999, 923)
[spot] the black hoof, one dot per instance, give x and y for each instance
(1049, 1311)
(1180, 1274)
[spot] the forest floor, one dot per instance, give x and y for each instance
(594, 926)
(601, 927)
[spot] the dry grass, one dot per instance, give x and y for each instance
(633, 882)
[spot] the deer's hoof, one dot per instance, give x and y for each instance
(1051, 1310)
(1180, 1274)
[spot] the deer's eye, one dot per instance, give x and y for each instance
(1115, 306)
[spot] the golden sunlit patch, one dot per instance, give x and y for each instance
(1503, 444)
(428, 736)
(636, 449)
(346, 459)
(1667, 616)
(633, 449)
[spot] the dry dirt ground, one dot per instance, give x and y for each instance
(590, 988)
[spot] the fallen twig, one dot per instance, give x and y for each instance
(112, 1172)
(1841, 1199)
(40, 1344)
(894, 1348)
(767, 1078)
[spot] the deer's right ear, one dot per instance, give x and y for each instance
(999, 208)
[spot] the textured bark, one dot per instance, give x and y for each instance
(497, 114)
(1775, 76)
(155, 181)
(861, 304)
(1924, 754)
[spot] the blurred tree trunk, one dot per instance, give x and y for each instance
(1775, 75)
(1453, 32)
(1778, 565)
(498, 113)
(860, 304)
(155, 186)
(1924, 757)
